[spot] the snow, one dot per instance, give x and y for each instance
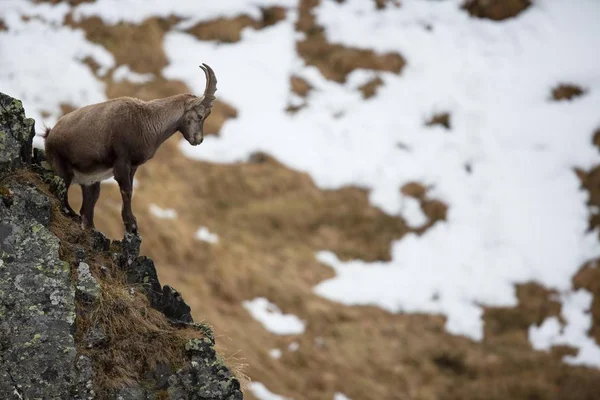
(124, 73)
(575, 309)
(205, 235)
(340, 396)
(162, 213)
(412, 213)
(275, 353)
(136, 11)
(269, 315)
(261, 392)
(519, 215)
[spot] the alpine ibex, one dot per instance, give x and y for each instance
(115, 137)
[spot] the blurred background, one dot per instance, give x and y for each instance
(395, 199)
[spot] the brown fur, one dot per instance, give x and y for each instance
(115, 137)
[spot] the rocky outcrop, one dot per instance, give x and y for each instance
(70, 299)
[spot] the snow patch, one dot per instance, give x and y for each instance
(124, 73)
(575, 309)
(162, 213)
(205, 235)
(269, 315)
(275, 353)
(261, 392)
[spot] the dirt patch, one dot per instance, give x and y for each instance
(496, 10)
(369, 89)
(229, 30)
(536, 303)
(70, 2)
(440, 119)
(336, 61)
(138, 46)
(588, 278)
(566, 91)
(300, 86)
(382, 4)
(414, 189)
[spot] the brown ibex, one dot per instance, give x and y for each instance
(115, 137)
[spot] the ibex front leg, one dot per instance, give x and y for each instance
(90, 194)
(124, 177)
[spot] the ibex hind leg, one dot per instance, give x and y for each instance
(124, 172)
(65, 171)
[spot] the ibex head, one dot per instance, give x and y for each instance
(197, 109)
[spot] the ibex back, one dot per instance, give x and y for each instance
(114, 138)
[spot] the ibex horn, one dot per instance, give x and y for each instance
(211, 85)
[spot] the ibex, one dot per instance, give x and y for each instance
(115, 137)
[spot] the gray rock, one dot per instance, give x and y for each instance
(37, 301)
(88, 289)
(16, 133)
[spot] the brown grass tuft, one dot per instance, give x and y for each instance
(414, 189)
(70, 2)
(596, 138)
(229, 30)
(139, 338)
(588, 278)
(566, 91)
(300, 86)
(441, 119)
(536, 303)
(496, 10)
(369, 89)
(334, 60)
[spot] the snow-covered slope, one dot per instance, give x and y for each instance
(505, 168)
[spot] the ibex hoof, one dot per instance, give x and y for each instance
(131, 228)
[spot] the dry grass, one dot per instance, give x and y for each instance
(138, 46)
(536, 303)
(139, 338)
(588, 277)
(441, 119)
(369, 89)
(229, 30)
(334, 60)
(566, 91)
(496, 10)
(300, 86)
(70, 2)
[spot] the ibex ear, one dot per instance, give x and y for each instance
(193, 103)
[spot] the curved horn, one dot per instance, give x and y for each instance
(211, 85)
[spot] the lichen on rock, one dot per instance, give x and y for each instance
(58, 283)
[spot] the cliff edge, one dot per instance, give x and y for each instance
(83, 317)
